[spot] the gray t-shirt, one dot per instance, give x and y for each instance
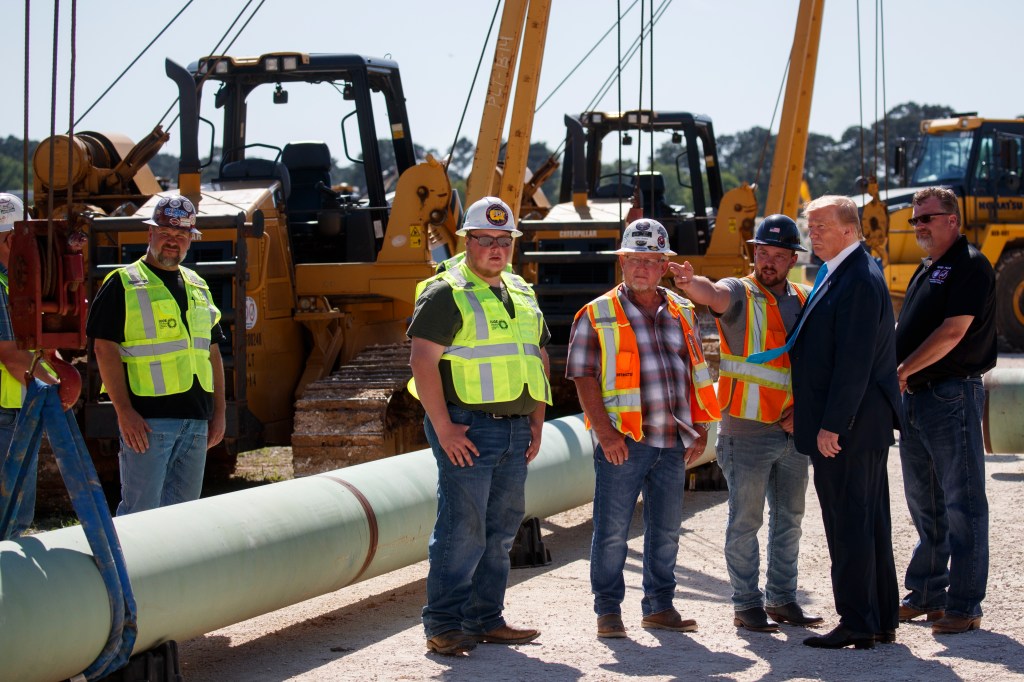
(734, 327)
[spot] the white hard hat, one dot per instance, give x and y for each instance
(11, 210)
(489, 213)
(645, 236)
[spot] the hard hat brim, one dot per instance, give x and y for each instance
(622, 251)
(791, 247)
(461, 232)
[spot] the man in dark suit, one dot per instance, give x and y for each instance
(847, 401)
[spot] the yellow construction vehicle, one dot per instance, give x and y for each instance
(981, 159)
(309, 279)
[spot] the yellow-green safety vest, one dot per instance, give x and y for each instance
(160, 354)
(12, 391)
(493, 355)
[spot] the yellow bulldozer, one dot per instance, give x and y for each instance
(315, 281)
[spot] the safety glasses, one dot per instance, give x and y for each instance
(487, 241)
(924, 219)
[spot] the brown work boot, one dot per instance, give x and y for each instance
(507, 634)
(953, 625)
(669, 619)
(909, 613)
(610, 626)
(451, 643)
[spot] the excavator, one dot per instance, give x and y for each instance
(982, 160)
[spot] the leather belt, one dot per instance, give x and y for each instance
(929, 385)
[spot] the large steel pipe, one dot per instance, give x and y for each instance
(203, 565)
(1004, 405)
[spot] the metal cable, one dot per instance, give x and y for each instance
(469, 95)
(24, 139)
(860, 94)
(137, 58)
(616, 25)
(211, 52)
(640, 94)
(651, 51)
(618, 81)
(53, 112)
(885, 107)
(771, 124)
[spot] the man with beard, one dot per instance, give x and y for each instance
(155, 331)
(945, 341)
(755, 447)
(635, 357)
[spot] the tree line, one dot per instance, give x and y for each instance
(831, 165)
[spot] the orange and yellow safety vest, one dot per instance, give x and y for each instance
(747, 390)
(620, 363)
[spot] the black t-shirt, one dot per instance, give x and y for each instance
(437, 318)
(106, 321)
(961, 282)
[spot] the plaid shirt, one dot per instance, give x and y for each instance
(664, 369)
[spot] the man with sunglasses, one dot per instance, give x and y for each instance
(155, 331)
(636, 359)
(945, 341)
(756, 448)
(481, 371)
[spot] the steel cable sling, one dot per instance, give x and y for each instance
(42, 410)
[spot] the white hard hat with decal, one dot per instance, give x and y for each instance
(11, 210)
(489, 213)
(645, 236)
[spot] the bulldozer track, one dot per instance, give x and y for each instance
(360, 413)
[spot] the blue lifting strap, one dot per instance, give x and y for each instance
(42, 410)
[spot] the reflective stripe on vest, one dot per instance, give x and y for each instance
(620, 389)
(12, 391)
(161, 354)
(759, 392)
(493, 356)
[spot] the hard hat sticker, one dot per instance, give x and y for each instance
(497, 215)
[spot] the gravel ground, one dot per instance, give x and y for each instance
(371, 630)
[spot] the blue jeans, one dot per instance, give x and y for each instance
(26, 512)
(479, 509)
(660, 473)
(169, 471)
(755, 467)
(943, 459)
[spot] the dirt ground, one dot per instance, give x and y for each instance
(372, 631)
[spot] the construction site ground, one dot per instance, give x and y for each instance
(372, 631)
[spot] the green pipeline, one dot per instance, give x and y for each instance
(203, 565)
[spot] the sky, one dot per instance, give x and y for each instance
(723, 58)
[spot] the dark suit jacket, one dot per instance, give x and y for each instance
(844, 362)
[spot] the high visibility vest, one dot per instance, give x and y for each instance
(493, 355)
(447, 264)
(12, 391)
(760, 392)
(160, 354)
(620, 363)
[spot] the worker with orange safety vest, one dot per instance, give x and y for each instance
(755, 445)
(636, 359)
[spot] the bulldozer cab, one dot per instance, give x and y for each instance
(334, 215)
(682, 184)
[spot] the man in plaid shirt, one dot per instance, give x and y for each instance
(635, 357)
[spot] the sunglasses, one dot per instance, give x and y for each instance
(924, 219)
(487, 241)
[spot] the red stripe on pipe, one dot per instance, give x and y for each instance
(371, 520)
